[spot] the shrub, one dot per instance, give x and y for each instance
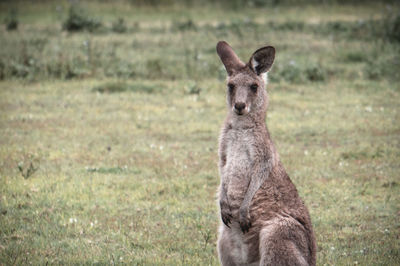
(315, 73)
(392, 27)
(11, 20)
(385, 68)
(291, 72)
(154, 68)
(356, 56)
(121, 86)
(288, 25)
(79, 20)
(185, 25)
(262, 3)
(119, 26)
(295, 72)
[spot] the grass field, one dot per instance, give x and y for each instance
(118, 129)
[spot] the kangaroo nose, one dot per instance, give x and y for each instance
(240, 106)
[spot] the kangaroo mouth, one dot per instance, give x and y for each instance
(239, 112)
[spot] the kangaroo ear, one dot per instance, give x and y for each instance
(262, 60)
(228, 57)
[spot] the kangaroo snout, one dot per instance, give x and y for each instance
(240, 108)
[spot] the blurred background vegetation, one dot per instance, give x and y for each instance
(66, 40)
(110, 113)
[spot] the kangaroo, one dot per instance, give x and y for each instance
(263, 219)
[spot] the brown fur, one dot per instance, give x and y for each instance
(264, 221)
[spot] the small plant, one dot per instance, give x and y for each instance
(192, 88)
(107, 170)
(111, 87)
(79, 20)
(11, 20)
(206, 234)
(119, 26)
(26, 168)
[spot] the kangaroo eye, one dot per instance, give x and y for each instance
(231, 87)
(254, 87)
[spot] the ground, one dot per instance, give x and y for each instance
(121, 130)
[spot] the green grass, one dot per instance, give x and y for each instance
(123, 129)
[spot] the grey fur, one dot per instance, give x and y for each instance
(263, 219)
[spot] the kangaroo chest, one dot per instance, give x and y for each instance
(239, 160)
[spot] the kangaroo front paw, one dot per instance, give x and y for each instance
(244, 220)
(226, 217)
(226, 214)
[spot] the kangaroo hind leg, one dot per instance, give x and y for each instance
(225, 249)
(281, 244)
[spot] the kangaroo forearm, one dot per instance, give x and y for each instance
(222, 162)
(258, 177)
(222, 154)
(223, 192)
(254, 186)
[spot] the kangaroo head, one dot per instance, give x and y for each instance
(246, 83)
